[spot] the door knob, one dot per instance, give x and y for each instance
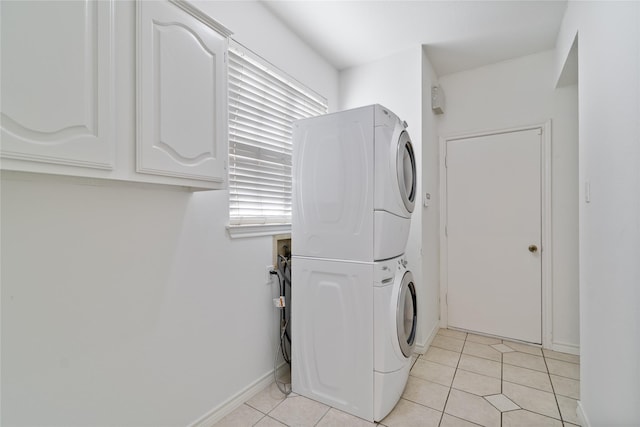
(533, 249)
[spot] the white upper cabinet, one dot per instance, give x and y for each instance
(182, 92)
(114, 90)
(57, 82)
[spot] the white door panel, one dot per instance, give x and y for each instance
(57, 86)
(332, 333)
(333, 186)
(182, 94)
(493, 216)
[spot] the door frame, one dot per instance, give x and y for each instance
(546, 237)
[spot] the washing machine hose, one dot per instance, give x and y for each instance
(284, 279)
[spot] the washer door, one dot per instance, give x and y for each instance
(406, 170)
(407, 315)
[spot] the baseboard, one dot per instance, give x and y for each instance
(582, 416)
(228, 406)
(422, 348)
(565, 348)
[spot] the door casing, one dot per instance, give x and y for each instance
(546, 241)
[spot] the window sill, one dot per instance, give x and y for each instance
(242, 231)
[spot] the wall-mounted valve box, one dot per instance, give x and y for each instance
(281, 246)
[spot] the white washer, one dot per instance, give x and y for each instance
(395, 310)
(353, 331)
(332, 333)
(354, 185)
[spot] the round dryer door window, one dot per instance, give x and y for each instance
(406, 168)
(407, 315)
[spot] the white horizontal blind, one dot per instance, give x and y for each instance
(263, 104)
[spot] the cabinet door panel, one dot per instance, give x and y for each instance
(182, 94)
(57, 82)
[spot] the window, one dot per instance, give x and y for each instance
(263, 104)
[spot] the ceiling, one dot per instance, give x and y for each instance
(457, 35)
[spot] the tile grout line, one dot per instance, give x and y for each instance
(502, 380)
(550, 382)
(274, 408)
(452, 379)
(501, 372)
(323, 415)
(558, 375)
(553, 389)
(263, 415)
(457, 368)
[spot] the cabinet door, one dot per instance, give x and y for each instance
(182, 93)
(57, 82)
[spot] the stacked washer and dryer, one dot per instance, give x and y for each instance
(354, 304)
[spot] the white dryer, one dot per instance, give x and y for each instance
(395, 184)
(354, 185)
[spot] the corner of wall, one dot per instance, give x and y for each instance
(431, 213)
(422, 347)
(582, 416)
(566, 42)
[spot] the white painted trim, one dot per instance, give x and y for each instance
(444, 273)
(565, 348)
(202, 17)
(422, 348)
(86, 180)
(582, 415)
(490, 132)
(16, 155)
(495, 336)
(546, 234)
(547, 268)
(234, 402)
(239, 231)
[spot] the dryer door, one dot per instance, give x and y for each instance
(406, 170)
(407, 314)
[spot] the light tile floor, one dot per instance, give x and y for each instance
(462, 380)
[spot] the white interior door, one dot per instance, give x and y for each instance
(494, 234)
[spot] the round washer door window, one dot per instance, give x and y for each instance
(407, 315)
(406, 169)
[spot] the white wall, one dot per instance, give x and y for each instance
(257, 29)
(609, 117)
(125, 304)
(521, 92)
(396, 82)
